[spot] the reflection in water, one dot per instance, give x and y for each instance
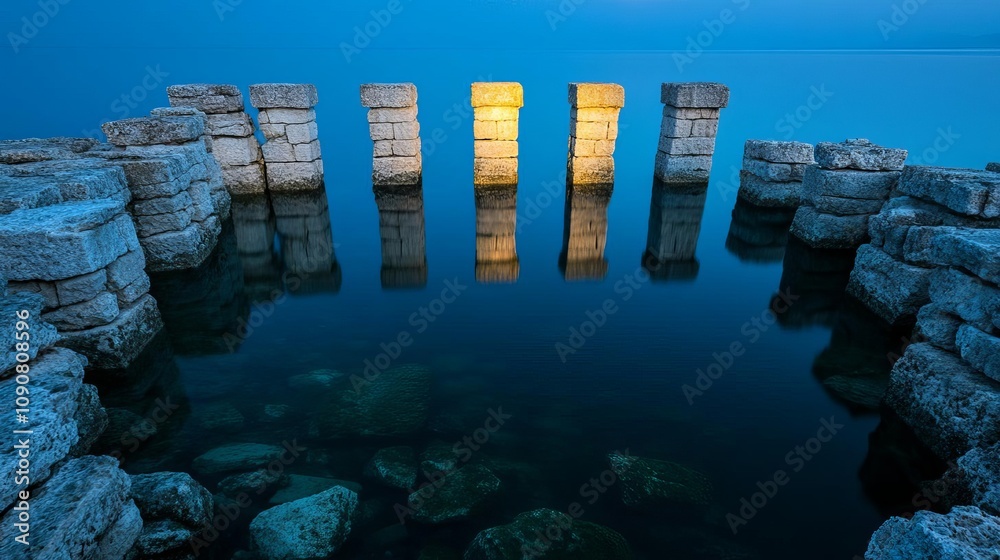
(254, 224)
(404, 241)
(818, 277)
(675, 214)
(585, 232)
(201, 305)
(496, 225)
(305, 237)
(759, 234)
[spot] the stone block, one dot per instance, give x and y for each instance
(131, 293)
(849, 183)
(382, 148)
(691, 113)
(396, 171)
(202, 204)
(964, 534)
(302, 133)
(382, 131)
(780, 172)
(496, 113)
(840, 206)
(81, 288)
(147, 226)
(117, 344)
(406, 131)
(938, 327)
(409, 148)
(859, 154)
(388, 95)
(245, 179)
(826, 231)
(779, 152)
(308, 152)
(495, 149)
(761, 192)
(589, 130)
(63, 241)
(695, 94)
(965, 296)
(208, 98)
(125, 270)
(687, 146)
(981, 350)
(682, 169)
(296, 176)
(237, 125)
(286, 116)
(966, 191)
(43, 335)
(705, 127)
(150, 131)
(592, 170)
(237, 151)
(93, 313)
(389, 115)
(180, 250)
(975, 250)
(506, 130)
(162, 205)
(979, 473)
(277, 151)
(895, 291)
(495, 171)
(676, 128)
(283, 96)
(484, 130)
(25, 193)
(497, 94)
(586, 95)
(46, 290)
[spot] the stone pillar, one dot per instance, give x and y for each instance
(687, 134)
(234, 144)
(302, 221)
(496, 228)
(593, 129)
(292, 157)
(850, 183)
(772, 172)
(496, 107)
(178, 198)
(404, 241)
(392, 122)
(675, 215)
(585, 232)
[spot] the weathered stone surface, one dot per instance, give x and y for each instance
(938, 327)
(119, 539)
(966, 191)
(979, 471)
(951, 406)
(459, 495)
(36, 149)
(254, 483)
(981, 350)
(495, 171)
(687, 146)
(825, 231)
(779, 152)
(653, 483)
(964, 534)
(298, 176)
(162, 536)
(859, 154)
(695, 94)
(62, 241)
(393, 403)
(588, 95)
(244, 180)
(151, 131)
(237, 125)
(597, 170)
(115, 345)
(779, 172)
(521, 538)
(208, 98)
(388, 95)
(895, 291)
(237, 151)
(91, 420)
(73, 511)
(682, 169)
(289, 531)
(81, 288)
(772, 194)
(284, 96)
(184, 249)
(965, 296)
(392, 115)
(840, 206)
(994, 167)
(849, 183)
(43, 335)
(495, 149)
(236, 457)
(975, 250)
(497, 94)
(172, 495)
(395, 467)
(99, 311)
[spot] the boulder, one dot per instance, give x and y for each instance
(172, 495)
(236, 457)
(527, 536)
(654, 483)
(301, 486)
(964, 534)
(395, 467)
(979, 472)
(256, 482)
(313, 527)
(160, 537)
(459, 495)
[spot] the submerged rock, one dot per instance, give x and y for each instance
(648, 482)
(316, 379)
(394, 466)
(394, 402)
(172, 495)
(235, 457)
(301, 486)
(459, 495)
(527, 536)
(964, 534)
(305, 529)
(257, 482)
(162, 536)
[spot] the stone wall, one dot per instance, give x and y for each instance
(496, 232)
(593, 129)
(393, 126)
(404, 241)
(850, 183)
(496, 107)
(687, 134)
(772, 172)
(585, 232)
(292, 157)
(232, 132)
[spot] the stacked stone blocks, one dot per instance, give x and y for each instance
(392, 123)
(773, 171)
(292, 157)
(593, 132)
(227, 123)
(688, 131)
(851, 182)
(496, 108)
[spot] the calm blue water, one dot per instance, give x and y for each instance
(495, 345)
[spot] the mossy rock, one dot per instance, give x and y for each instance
(458, 495)
(653, 483)
(392, 403)
(395, 467)
(545, 534)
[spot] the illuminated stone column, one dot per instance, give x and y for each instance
(292, 157)
(497, 106)
(392, 121)
(496, 227)
(593, 130)
(585, 233)
(687, 134)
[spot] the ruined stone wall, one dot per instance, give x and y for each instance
(687, 133)
(773, 171)
(292, 156)
(393, 126)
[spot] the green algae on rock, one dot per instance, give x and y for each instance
(649, 482)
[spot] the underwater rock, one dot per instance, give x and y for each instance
(159, 537)
(438, 457)
(301, 486)
(172, 495)
(964, 534)
(866, 392)
(292, 531)
(979, 472)
(394, 466)
(222, 416)
(524, 537)
(649, 482)
(235, 457)
(394, 402)
(257, 482)
(316, 379)
(458, 495)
